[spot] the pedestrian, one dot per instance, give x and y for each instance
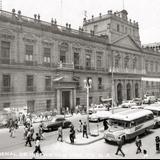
(12, 132)
(37, 147)
(145, 154)
(105, 124)
(37, 137)
(28, 140)
(157, 139)
(41, 133)
(32, 132)
(60, 134)
(80, 126)
(119, 149)
(139, 145)
(85, 132)
(25, 132)
(72, 135)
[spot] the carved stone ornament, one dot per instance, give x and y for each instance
(126, 61)
(63, 46)
(134, 62)
(117, 60)
(6, 34)
(29, 38)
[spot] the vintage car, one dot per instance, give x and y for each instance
(99, 116)
(128, 104)
(97, 108)
(55, 123)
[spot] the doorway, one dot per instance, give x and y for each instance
(66, 100)
(119, 93)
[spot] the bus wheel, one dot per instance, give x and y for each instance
(106, 141)
(146, 131)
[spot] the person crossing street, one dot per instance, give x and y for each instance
(120, 144)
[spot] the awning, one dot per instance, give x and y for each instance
(150, 79)
(106, 100)
(58, 79)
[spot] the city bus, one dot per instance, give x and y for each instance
(156, 111)
(129, 124)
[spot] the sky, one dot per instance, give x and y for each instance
(145, 12)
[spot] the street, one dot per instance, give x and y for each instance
(14, 147)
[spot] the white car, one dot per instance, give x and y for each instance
(97, 108)
(138, 107)
(128, 104)
(99, 116)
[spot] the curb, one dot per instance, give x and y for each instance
(82, 144)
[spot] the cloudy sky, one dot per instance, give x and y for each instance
(146, 12)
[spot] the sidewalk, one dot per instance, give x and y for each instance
(92, 138)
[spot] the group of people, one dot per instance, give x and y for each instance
(138, 143)
(72, 133)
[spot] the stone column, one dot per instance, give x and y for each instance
(74, 99)
(58, 101)
(71, 99)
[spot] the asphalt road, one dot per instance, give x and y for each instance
(17, 144)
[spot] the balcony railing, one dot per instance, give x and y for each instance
(90, 68)
(31, 63)
(7, 89)
(100, 69)
(127, 70)
(5, 61)
(48, 89)
(30, 89)
(65, 65)
(78, 67)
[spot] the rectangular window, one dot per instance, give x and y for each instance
(88, 61)
(62, 56)
(47, 55)
(30, 81)
(48, 83)
(30, 106)
(6, 83)
(48, 105)
(5, 52)
(78, 101)
(99, 61)
(6, 105)
(118, 28)
(29, 53)
(76, 59)
(100, 83)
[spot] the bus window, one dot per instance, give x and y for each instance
(133, 124)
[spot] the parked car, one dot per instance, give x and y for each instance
(97, 108)
(55, 123)
(99, 116)
(138, 101)
(128, 104)
(138, 107)
(149, 99)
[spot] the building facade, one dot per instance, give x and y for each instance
(43, 65)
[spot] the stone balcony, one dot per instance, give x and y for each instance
(127, 71)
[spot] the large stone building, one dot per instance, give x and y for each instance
(43, 65)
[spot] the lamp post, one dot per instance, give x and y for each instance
(88, 85)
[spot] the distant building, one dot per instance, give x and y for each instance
(43, 65)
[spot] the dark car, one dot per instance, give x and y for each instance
(56, 123)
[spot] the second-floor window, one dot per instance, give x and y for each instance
(29, 53)
(6, 83)
(48, 83)
(99, 61)
(62, 56)
(5, 52)
(88, 61)
(47, 55)
(30, 82)
(76, 59)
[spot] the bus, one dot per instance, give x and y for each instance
(156, 111)
(129, 124)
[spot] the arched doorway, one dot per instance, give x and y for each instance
(119, 93)
(128, 91)
(136, 90)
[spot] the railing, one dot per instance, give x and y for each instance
(7, 89)
(78, 67)
(100, 69)
(49, 88)
(127, 70)
(30, 89)
(89, 68)
(31, 63)
(47, 25)
(5, 61)
(65, 65)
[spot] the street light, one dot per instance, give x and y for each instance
(88, 85)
